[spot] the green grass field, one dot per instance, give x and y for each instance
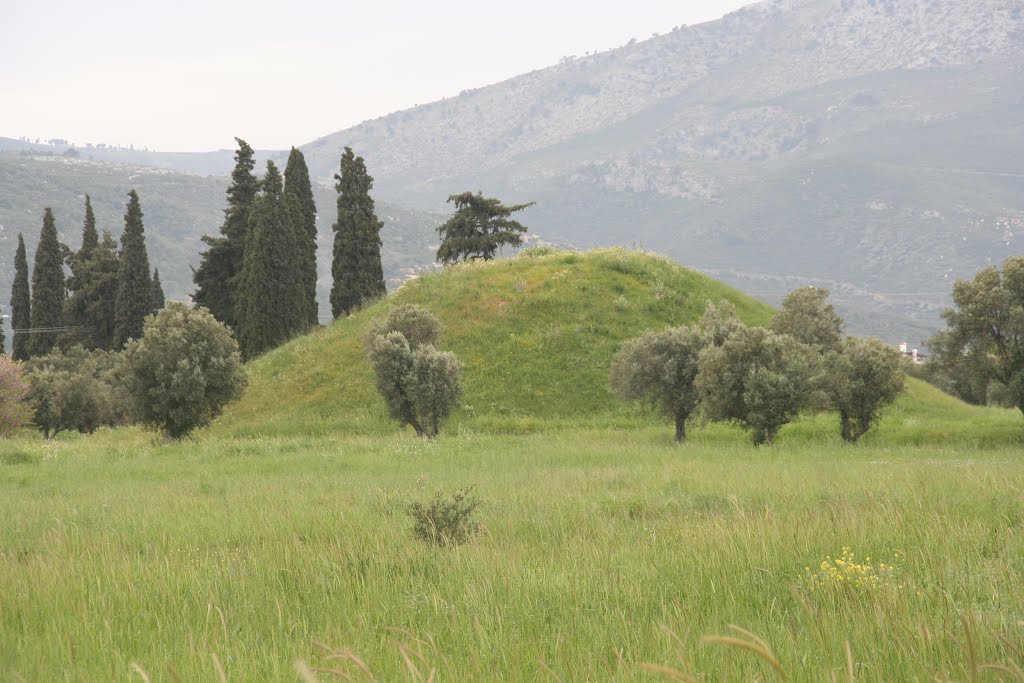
(276, 545)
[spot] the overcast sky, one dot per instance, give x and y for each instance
(189, 75)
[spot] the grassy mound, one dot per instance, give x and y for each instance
(536, 334)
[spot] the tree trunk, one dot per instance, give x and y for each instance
(680, 428)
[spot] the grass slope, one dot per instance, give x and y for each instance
(536, 333)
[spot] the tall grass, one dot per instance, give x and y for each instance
(604, 554)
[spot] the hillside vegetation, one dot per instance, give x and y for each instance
(537, 334)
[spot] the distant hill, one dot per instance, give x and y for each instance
(871, 146)
(179, 209)
(536, 334)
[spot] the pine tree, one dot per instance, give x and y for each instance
(270, 297)
(158, 291)
(21, 305)
(297, 184)
(356, 268)
(480, 226)
(216, 276)
(48, 288)
(134, 286)
(91, 306)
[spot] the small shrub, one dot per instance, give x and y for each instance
(16, 457)
(446, 520)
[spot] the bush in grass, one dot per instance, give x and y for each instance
(183, 371)
(757, 378)
(15, 413)
(420, 384)
(74, 390)
(446, 520)
(660, 368)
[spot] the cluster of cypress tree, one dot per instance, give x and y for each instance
(103, 301)
(259, 276)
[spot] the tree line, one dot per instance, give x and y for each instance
(761, 378)
(102, 300)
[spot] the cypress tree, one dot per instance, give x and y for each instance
(134, 299)
(79, 281)
(220, 265)
(356, 268)
(297, 185)
(158, 291)
(91, 306)
(3, 339)
(21, 305)
(48, 288)
(270, 297)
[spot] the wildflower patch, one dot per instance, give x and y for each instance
(846, 572)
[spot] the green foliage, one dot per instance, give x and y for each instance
(420, 384)
(134, 300)
(74, 391)
(758, 378)
(298, 185)
(14, 410)
(215, 278)
(446, 520)
(90, 238)
(417, 324)
(158, 291)
(356, 267)
(183, 370)
(21, 305)
(719, 321)
(806, 316)
(47, 289)
(985, 336)
(660, 368)
(479, 227)
(90, 308)
(269, 297)
(860, 378)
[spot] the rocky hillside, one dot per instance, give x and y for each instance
(872, 146)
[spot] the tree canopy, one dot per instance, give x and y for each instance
(479, 227)
(47, 310)
(134, 300)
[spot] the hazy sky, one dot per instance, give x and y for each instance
(189, 75)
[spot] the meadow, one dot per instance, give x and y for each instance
(603, 554)
(276, 544)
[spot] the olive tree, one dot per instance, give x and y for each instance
(74, 390)
(984, 341)
(659, 368)
(861, 378)
(807, 316)
(420, 384)
(183, 370)
(757, 378)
